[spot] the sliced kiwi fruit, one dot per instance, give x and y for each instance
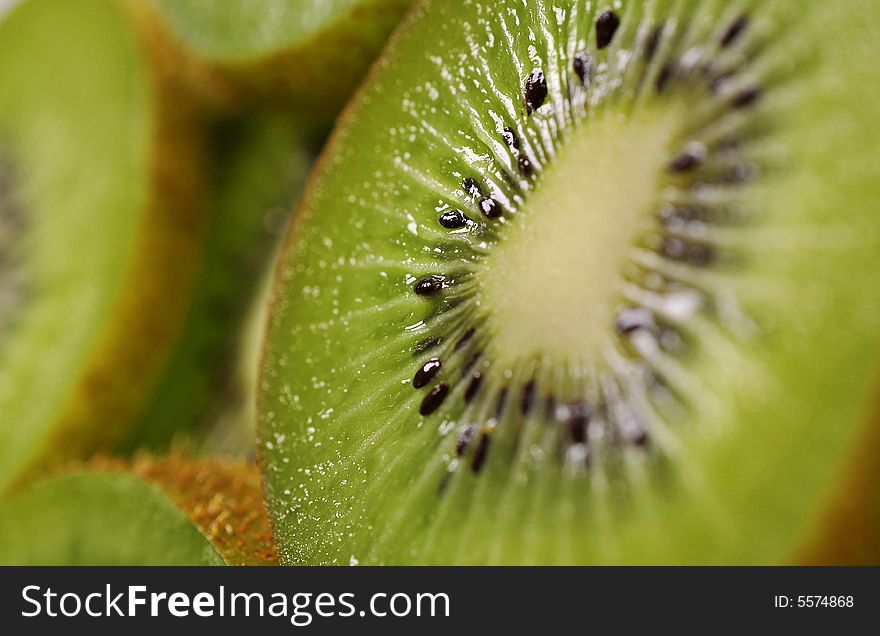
(203, 197)
(150, 511)
(587, 282)
(309, 54)
(103, 217)
(257, 168)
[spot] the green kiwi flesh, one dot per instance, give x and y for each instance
(102, 223)
(100, 519)
(583, 283)
(148, 510)
(309, 54)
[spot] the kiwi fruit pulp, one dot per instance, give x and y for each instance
(217, 176)
(148, 511)
(586, 282)
(303, 54)
(102, 222)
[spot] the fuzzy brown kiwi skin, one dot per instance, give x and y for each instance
(222, 497)
(148, 313)
(203, 81)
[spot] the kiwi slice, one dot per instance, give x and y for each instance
(151, 511)
(259, 163)
(586, 282)
(102, 222)
(309, 54)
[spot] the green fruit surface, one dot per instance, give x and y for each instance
(82, 179)
(100, 519)
(354, 473)
(305, 54)
(246, 29)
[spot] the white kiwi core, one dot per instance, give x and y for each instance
(551, 283)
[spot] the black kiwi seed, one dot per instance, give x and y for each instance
(583, 67)
(427, 344)
(665, 76)
(471, 362)
(465, 338)
(578, 417)
(734, 31)
(550, 406)
(491, 208)
(535, 91)
(472, 188)
(606, 26)
(528, 394)
(638, 436)
(747, 97)
(510, 138)
(473, 387)
(434, 399)
(453, 219)
(522, 162)
(464, 439)
(652, 43)
(502, 402)
(429, 285)
(689, 159)
(480, 453)
(426, 373)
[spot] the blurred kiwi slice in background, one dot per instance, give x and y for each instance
(305, 54)
(256, 169)
(138, 220)
(102, 215)
(148, 511)
(290, 65)
(586, 282)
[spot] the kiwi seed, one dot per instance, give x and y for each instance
(472, 188)
(583, 67)
(491, 208)
(465, 437)
(536, 91)
(606, 26)
(434, 399)
(429, 285)
(473, 387)
(652, 43)
(426, 373)
(734, 31)
(427, 344)
(480, 453)
(453, 219)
